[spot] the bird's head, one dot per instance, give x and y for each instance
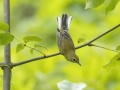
(72, 57)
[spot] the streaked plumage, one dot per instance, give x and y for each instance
(65, 43)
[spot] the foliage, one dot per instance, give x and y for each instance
(95, 3)
(27, 39)
(81, 40)
(31, 18)
(118, 48)
(114, 62)
(112, 4)
(5, 38)
(19, 47)
(31, 38)
(4, 26)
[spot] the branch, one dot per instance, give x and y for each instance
(104, 48)
(34, 59)
(7, 54)
(51, 55)
(94, 39)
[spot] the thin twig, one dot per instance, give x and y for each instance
(51, 55)
(30, 47)
(18, 40)
(36, 50)
(104, 48)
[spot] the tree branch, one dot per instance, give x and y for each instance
(34, 59)
(51, 55)
(94, 39)
(7, 54)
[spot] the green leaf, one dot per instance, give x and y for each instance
(19, 47)
(118, 48)
(31, 38)
(114, 62)
(31, 50)
(67, 85)
(4, 26)
(111, 5)
(81, 40)
(5, 38)
(93, 3)
(36, 45)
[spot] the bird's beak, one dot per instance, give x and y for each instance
(79, 63)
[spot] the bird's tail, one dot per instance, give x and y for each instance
(64, 22)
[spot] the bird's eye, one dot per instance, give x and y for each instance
(73, 60)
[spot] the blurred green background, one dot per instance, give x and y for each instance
(31, 17)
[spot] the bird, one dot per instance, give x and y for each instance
(64, 40)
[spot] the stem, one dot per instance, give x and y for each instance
(36, 50)
(18, 40)
(7, 54)
(30, 47)
(103, 48)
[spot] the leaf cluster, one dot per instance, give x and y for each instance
(95, 3)
(6, 38)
